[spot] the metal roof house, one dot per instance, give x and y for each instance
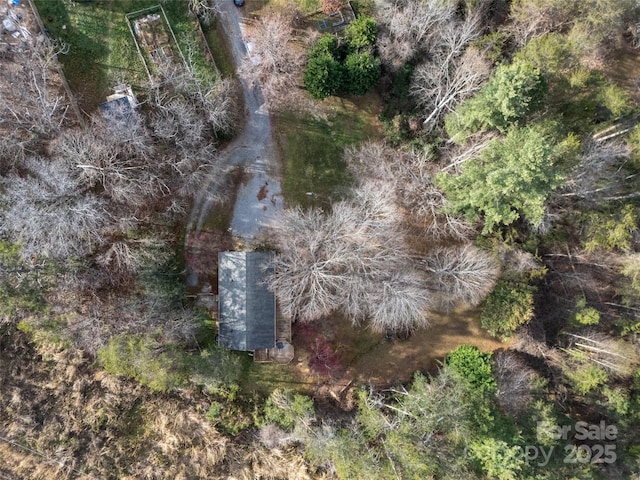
(246, 307)
(119, 109)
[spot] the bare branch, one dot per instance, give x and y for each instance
(409, 28)
(49, 213)
(276, 59)
(463, 275)
(352, 259)
(601, 172)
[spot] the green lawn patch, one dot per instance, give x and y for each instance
(219, 48)
(314, 172)
(263, 378)
(102, 51)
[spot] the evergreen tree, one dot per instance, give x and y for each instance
(511, 178)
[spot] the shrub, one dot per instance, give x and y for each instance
(611, 232)
(507, 307)
(634, 401)
(22, 293)
(46, 331)
(551, 53)
(371, 421)
(228, 417)
(586, 377)
(617, 402)
(363, 8)
(585, 315)
(217, 369)
(629, 284)
(616, 100)
(144, 360)
(324, 76)
(362, 71)
(493, 45)
(361, 32)
(286, 409)
(633, 141)
(474, 367)
(497, 458)
(326, 45)
(329, 72)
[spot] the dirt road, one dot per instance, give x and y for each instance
(259, 199)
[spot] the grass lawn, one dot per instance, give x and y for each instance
(263, 378)
(102, 51)
(314, 173)
(259, 7)
(219, 48)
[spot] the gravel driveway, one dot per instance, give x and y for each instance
(259, 198)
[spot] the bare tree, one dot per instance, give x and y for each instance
(597, 24)
(399, 303)
(409, 174)
(12, 153)
(190, 168)
(169, 78)
(352, 259)
(178, 122)
(220, 105)
(206, 10)
(438, 223)
(276, 59)
(118, 257)
(36, 104)
(126, 257)
(601, 172)
(307, 282)
(452, 72)
(408, 28)
(439, 86)
(463, 275)
(533, 18)
(49, 212)
(180, 85)
(515, 382)
(127, 175)
(516, 261)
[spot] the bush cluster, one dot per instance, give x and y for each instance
(348, 67)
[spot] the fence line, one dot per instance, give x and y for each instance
(130, 15)
(65, 84)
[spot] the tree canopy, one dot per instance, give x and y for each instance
(323, 76)
(513, 92)
(511, 178)
(362, 32)
(362, 72)
(349, 68)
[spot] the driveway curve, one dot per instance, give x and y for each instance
(259, 198)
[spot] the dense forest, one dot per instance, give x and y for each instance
(486, 173)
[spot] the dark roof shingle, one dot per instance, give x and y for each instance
(246, 310)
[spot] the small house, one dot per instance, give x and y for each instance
(119, 109)
(246, 307)
(247, 318)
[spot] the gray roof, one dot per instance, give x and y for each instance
(246, 309)
(119, 113)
